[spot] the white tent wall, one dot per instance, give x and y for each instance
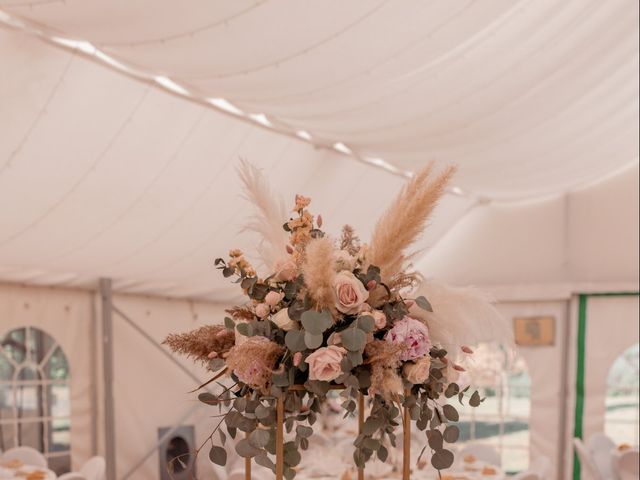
(589, 235)
(150, 391)
(547, 382)
(66, 315)
(605, 326)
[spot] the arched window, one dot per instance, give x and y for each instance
(622, 404)
(502, 420)
(34, 395)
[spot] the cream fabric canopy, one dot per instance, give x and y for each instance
(117, 148)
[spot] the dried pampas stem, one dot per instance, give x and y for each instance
(319, 273)
(198, 344)
(461, 316)
(405, 220)
(270, 214)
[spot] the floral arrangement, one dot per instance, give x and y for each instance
(330, 313)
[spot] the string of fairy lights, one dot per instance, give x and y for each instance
(223, 105)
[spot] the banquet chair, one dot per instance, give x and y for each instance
(587, 462)
(27, 455)
(94, 469)
(626, 465)
(238, 474)
(72, 476)
(541, 466)
(601, 447)
(484, 453)
(528, 475)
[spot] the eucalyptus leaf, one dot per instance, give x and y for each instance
(450, 412)
(474, 401)
(451, 434)
(208, 398)
(265, 461)
(312, 340)
(246, 450)
(259, 438)
(382, 453)
(424, 304)
(229, 323)
(294, 340)
(434, 437)
(243, 328)
(304, 432)
(371, 425)
(218, 455)
(442, 459)
(366, 323)
(353, 339)
(316, 322)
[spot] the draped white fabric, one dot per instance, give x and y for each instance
(102, 174)
(541, 92)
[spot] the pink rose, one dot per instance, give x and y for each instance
(380, 319)
(285, 270)
(324, 363)
(350, 293)
(418, 372)
(334, 339)
(273, 298)
(262, 310)
(413, 334)
(297, 358)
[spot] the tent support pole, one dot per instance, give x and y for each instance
(107, 362)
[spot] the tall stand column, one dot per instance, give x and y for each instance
(406, 441)
(360, 427)
(280, 438)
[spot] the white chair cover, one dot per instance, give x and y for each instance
(587, 462)
(484, 453)
(72, 476)
(528, 475)
(28, 456)
(541, 466)
(601, 447)
(626, 465)
(94, 469)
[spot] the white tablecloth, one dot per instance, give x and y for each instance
(19, 473)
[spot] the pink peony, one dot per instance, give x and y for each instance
(324, 363)
(350, 293)
(413, 334)
(285, 270)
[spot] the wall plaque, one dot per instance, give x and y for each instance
(535, 331)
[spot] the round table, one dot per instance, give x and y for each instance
(23, 473)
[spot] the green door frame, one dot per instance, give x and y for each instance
(580, 365)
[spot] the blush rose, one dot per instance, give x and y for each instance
(350, 293)
(324, 363)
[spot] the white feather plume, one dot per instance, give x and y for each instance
(461, 316)
(270, 214)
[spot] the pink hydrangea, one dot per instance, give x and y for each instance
(413, 334)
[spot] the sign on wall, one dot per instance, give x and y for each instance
(535, 331)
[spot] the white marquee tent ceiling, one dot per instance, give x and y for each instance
(102, 173)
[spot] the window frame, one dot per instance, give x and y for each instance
(43, 383)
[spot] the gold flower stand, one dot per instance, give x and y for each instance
(406, 437)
